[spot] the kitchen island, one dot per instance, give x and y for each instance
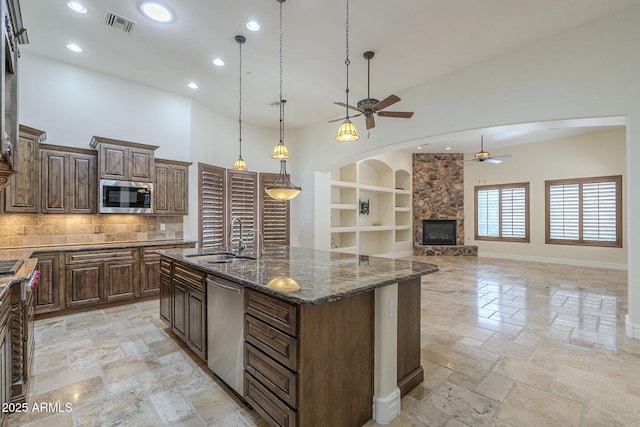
(325, 333)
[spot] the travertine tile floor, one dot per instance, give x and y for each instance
(503, 344)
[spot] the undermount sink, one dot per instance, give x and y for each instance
(219, 258)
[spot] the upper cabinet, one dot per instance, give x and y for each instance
(22, 195)
(13, 34)
(124, 160)
(171, 189)
(68, 180)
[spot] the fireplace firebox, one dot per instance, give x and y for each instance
(438, 232)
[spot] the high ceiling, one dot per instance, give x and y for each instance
(413, 40)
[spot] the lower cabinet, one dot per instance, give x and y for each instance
(5, 355)
(83, 284)
(48, 294)
(183, 304)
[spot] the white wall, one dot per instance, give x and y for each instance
(581, 156)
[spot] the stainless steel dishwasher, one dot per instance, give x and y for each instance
(225, 323)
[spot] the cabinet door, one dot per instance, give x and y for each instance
(82, 183)
(179, 310)
(165, 298)
(22, 195)
(5, 365)
(120, 280)
(150, 275)
(114, 162)
(141, 165)
(48, 291)
(197, 334)
(161, 189)
(53, 181)
(180, 190)
(83, 284)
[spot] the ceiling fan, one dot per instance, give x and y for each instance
(370, 106)
(485, 156)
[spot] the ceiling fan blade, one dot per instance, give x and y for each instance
(493, 160)
(504, 156)
(389, 100)
(342, 104)
(371, 123)
(342, 118)
(403, 114)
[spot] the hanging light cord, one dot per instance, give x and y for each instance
(240, 107)
(347, 62)
(281, 100)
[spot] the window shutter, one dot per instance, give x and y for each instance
(274, 214)
(514, 212)
(488, 212)
(564, 211)
(242, 202)
(599, 211)
(212, 205)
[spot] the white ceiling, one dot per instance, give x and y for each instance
(414, 41)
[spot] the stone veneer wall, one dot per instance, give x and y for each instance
(438, 191)
(43, 230)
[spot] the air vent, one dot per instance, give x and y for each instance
(119, 22)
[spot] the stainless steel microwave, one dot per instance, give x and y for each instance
(125, 197)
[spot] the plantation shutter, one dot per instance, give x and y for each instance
(488, 216)
(212, 184)
(242, 202)
(274, 214)
(564, 211)
(514, 212)
(599, 211)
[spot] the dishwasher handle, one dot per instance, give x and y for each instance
(226, 285)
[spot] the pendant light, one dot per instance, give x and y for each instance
(240, 164)
(282, 188)
(347, 131)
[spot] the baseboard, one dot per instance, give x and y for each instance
(386, 408)
(575, 262)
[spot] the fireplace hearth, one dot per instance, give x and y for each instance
(439, 232)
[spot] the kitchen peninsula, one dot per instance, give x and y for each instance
(321, 335)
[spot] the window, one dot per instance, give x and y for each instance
(225, 194)
(584, 211)
(502, 212)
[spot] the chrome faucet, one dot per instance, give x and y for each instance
(260, 244)
(241, 245)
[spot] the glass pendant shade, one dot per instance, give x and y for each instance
(280, 152)
(282, 188)
(347, 132)
(240, 165)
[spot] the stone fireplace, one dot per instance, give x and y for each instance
(438, 201)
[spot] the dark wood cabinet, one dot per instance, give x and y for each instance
(124, 160)
(68, 180)
(151, 268)
(22, 194)
(48, 294)
(83, 284)
(171, 189)
(6, 371)
(120, 279)
(184, 304)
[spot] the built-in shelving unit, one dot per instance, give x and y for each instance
(370, 208)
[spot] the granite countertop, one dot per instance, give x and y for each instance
(24, 273)
(321, 276)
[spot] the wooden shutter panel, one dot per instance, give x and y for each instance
(212, 184)
(242, 202)
(274, 214)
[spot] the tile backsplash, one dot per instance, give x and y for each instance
(43, 230)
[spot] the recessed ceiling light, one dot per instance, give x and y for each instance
(77, 7)
(74, 47)
(218, 61)
(419, 147)
(253, 26)
(192, 85)
(156, 12)
(448, 148)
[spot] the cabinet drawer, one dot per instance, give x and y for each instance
(277, 313)
(273, 342)
(165, 266)
(267, 404)
(99, 256)
(278, 379)
(190, 277)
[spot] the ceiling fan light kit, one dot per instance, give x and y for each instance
(347, 131)
(240, 164)
(282, 188)
(485, 156)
